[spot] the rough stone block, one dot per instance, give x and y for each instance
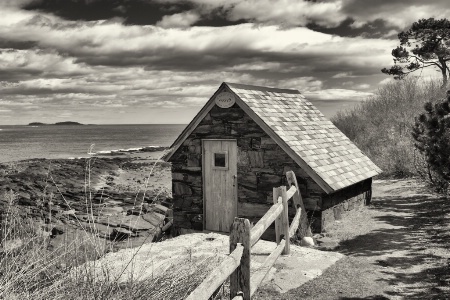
(268, 181)
(179, 188)
(243, 159)
(256, 143)
(178, 176)
(256, 159)
(247, 180)
(193, 160)
(244, 143)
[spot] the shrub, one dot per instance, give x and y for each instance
(381, 126)
(431, 133)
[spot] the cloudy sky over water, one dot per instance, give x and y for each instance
(158, 61)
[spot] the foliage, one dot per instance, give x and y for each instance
(381, 126)
(431, 133)
(425, 44)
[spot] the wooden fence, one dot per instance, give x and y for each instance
(242, 238)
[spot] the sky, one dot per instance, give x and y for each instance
(159, 61)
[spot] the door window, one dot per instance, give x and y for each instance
(220, 160)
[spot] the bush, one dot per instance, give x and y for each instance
(431, 133)
(381, 126)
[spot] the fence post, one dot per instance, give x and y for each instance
(240, 278)
(276, 194)
(304, 228)
(285, 221)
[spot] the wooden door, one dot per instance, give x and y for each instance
(219, 184)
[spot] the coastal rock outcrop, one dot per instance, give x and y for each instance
(114, 198)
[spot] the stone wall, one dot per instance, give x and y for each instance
(261, 164)
(336, 204)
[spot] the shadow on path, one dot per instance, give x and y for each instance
(412, 245)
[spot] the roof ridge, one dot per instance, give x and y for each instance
(260, 88)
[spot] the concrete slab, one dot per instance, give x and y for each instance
(151, 260)
(293, 270)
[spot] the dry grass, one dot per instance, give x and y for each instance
(32, 267)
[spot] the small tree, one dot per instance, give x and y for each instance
(431, 133)
(425, 44)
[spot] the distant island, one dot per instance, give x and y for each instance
(57, 123)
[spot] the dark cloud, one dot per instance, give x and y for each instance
(19, 45)
(138, 12)
(372, 29)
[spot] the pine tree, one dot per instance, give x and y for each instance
(431, 133)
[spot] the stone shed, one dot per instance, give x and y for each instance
(241, 144)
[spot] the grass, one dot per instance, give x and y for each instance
(33, 266)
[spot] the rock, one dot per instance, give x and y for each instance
(307, 241)
(154, 218)
(110, 211)
(100, 230)
(134, 211)
(160, 208)
(135, 223)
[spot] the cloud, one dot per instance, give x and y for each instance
(338, 94)
(180, 20)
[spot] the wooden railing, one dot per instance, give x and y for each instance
(242, 238)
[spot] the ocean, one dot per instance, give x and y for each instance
(60, 141)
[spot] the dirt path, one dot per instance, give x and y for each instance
(398, 248)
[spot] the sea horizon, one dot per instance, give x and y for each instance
(21, 142)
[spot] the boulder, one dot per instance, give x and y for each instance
(307, 241)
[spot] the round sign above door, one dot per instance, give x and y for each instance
(225, 100)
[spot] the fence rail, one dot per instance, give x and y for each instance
(242, 239)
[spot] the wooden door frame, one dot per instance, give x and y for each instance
(203, 179)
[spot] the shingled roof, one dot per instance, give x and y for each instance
(312, 140)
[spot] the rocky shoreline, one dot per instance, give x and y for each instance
(120, 197)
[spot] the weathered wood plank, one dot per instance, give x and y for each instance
(257, 210)
(295, 222)
(259, 276)
(218, 276)
(304, 228)
(276, 195)
(265, 222)
(240, 278)
(285, 220)
(290, 193)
